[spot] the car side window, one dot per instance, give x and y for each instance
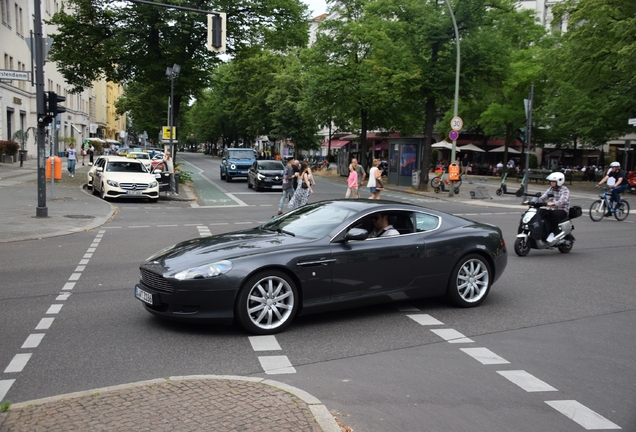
(426, 222)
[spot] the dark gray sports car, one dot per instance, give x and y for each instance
(322, 257)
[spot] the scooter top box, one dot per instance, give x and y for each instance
(575, 211)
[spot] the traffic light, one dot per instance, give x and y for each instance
(52, 101)
(216, 32)
(522, 134)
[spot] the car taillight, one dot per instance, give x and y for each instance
(503, 243)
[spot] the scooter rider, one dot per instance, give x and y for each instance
(620, 184)
(558, 199)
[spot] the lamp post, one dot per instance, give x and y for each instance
(451, 193)
(172, 73)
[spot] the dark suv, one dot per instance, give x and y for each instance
(266, 174)
(236, 162)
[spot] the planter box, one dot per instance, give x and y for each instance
(7, 159)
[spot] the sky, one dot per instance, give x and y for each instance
(318, 7)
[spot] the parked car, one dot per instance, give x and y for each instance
(99, 162)
(266, 174)
(161, 173)
(320, 257)
(141, 156)
(236, 162)
(127, 178)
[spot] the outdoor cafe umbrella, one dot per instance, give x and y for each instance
(502, 149)
(471, 147)
(444, 145)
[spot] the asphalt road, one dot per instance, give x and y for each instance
(557, 332)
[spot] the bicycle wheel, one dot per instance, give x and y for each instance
(597, 210)
(435, 183)
(622, 211)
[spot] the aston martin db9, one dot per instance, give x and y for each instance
(323, 256)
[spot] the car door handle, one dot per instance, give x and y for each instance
(316, 263)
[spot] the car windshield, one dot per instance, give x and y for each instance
(126, 167)
(270, 165)
(240, 154)
(311, 221)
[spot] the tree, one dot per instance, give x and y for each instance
(136, 42)
(592, 85)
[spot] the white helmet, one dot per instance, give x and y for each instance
(615, 165)
(558, 177)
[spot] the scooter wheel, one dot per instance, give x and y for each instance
(456, 190)
(499, 192)
(522, 248)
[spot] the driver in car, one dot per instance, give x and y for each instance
(381, 227)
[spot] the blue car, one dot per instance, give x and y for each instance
(236, 162)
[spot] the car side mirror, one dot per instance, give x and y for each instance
(356, 234)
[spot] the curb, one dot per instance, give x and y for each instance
(323, 417)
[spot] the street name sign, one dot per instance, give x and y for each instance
(14, 75)
(632, 121)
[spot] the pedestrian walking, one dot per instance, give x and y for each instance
(91, 152)
(465, 165)
(352, 183)
(83, 151)
(375, 180)
(361, 175)
(71, 155)
(301, 195)
(288, 185)
(167, 158)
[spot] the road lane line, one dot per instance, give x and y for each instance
(5, 385)
(63, 297)
(425, 319)
(18, 363)
(74, 276)
(264, 343)
(526, 381)
(484, 356)
(54, 309)
(452, 336)
(276, 365)
(69, 286)
(33, 340)
(84, 261)
(80, 269)
(581, 414)
(44, 324)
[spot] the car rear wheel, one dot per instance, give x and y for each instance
(470, 281)
(267, 303)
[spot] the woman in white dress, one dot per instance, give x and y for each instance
(301, 195)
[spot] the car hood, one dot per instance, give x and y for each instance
(227, 246)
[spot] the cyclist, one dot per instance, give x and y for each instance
(620, 182)
(558, 199)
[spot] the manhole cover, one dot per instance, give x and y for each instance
(79, 216)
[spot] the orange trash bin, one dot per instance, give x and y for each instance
(57, 173)
(453, 172)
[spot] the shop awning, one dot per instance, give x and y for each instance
(335, 143)
(381, 147)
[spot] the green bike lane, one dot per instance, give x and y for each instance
(208, 192)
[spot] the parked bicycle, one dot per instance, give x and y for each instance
(606, 207)
(441, 179)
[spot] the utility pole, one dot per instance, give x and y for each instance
(528, 136)
(42, 210)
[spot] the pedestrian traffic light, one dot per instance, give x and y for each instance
(52, 101)
(522, 134)
(216, 32)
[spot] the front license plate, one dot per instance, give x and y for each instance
(277, 187)
(133, 192)
(144, 296)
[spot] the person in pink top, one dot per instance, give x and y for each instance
(352, 183)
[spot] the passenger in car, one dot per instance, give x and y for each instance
(381, 227)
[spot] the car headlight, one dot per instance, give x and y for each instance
(112, 183)
(233, 166)
(153, 184)
(260, 176)
(205, 271)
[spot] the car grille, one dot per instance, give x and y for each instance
(133, 186)
(242, 166)
(155, 281)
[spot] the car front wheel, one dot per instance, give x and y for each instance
(103, 193)
(470, 281)
(267, 303)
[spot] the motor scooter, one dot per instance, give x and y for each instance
(531, 229)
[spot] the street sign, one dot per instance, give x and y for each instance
(632, 121)
(14, 75)
(456, 123)
(166, 132)
(453, 135)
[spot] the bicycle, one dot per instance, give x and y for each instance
(605, 207)
(438, 182)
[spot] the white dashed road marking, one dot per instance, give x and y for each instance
(425, 319)
(526, 381)
(484, 356)
(276, 365)
(44, 324)
(5, 385)
(582, 415)
(33, 340)
(18, 363)
(264, 343)
(451, 336)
